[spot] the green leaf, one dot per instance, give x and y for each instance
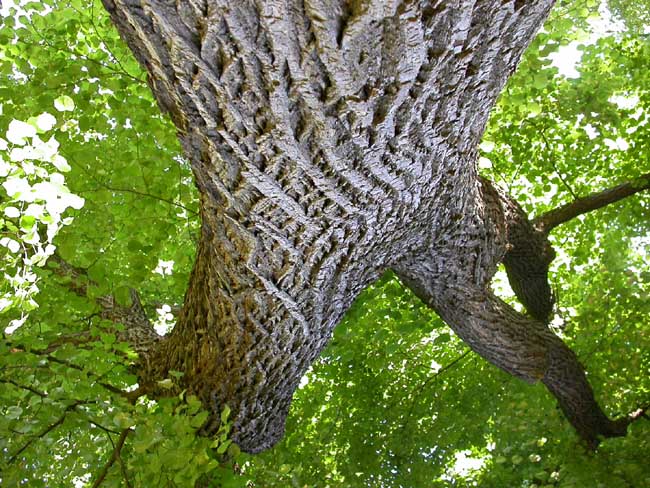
(123, 420)
(223, 447)
(166, 383)
(64, 104)
(199, 419)
(225, 413)
(27, 222)
(14, 413)
(123, 296)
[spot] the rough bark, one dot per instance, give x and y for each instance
(528, 254)
(331, 141)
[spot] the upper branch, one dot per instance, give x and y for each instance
(551, 219)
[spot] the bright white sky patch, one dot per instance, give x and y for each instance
(619, 144)
(5, 5)
(568, 57)
(465, 464)
(501, 285)
(591, 131)
(304, 381)
(165, 320)
(625, 103)
(164, 267)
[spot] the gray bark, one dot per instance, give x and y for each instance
(330, 141)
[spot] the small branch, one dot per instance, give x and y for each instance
(79, 280)
(138, 332)
(431, 378)
(130, 396)
(557, 171)
(105, 429)
(98, 34)
(78, 340)
(548, 221)
(75, 52)
(142, 194)
(114, 457)
(564, 182)
(124, 472)
(445, 368)
(25, 387)
(46, 431)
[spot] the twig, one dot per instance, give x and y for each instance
(117, 61)
(442, 370)
(142, 194)
(25, 387)
(46, 431)
(130, 396)
(557, 172)
(114, 457)
(100, 426)
(80, 55)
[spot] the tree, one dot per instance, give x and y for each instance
(322, 159)
(323, 155)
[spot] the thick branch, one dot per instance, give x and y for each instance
(551, 219)
(521, 346)
(565, 379)
(528, 254)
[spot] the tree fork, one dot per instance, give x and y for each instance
(328, 146)
(528, 254)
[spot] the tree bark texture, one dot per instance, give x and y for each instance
(330, 141)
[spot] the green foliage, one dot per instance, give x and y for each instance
(33, 198)
(61, 409)
(396, 399)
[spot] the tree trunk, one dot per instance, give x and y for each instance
(330, 141)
